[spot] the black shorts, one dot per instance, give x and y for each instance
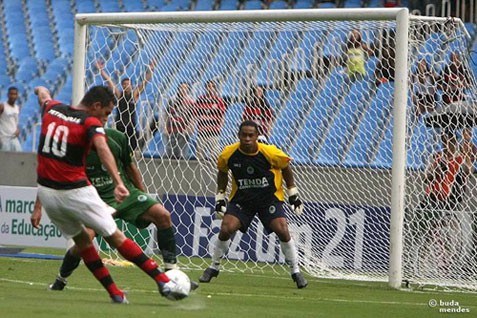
(265, 213)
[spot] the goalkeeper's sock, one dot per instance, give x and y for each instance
(220, 249)
(291, 255)
(70, 263)
(95, 265)
(167, 245)
(133, 253)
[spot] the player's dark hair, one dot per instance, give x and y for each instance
(102, 94)
(12, 88)
(248, 123)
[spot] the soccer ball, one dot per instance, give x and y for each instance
(181, 288)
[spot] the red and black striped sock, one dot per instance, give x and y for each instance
(133, 253)
(95, 265)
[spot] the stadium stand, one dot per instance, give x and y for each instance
(36, 47)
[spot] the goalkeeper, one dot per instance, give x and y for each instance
(258, 171)
(138, 209)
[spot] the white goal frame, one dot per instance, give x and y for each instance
(400, 15)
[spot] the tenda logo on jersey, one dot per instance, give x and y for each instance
(252, 183)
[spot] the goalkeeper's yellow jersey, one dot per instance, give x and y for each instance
(256, 178)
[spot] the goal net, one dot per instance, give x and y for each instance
(337, 86)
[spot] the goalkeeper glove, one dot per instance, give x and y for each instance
(295, 201)
(220, 205)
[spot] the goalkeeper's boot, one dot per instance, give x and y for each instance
(300, 281)
(208, 274)
(119, 299)
(59, 284)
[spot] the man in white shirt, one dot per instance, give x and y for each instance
(9, 114)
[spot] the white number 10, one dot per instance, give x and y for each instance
(56, 145)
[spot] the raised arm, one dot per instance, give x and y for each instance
(107, 78)
(147, 78)
(43, 95)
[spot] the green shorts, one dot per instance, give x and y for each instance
(133, 207)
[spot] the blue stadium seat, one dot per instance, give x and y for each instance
(384, 156)
(177, 5)
(284, 45)
(274, 98)
(31, 142)
(109, 6)
(233, 118)
(156, 5)
(204, 5)
(417, 153)
(28, 68)
(133, 6)
(5, 80)
(304, 4)
(169, 62)
(307, 141)
(156, 147)
(352, 3)
(191, 69)
(66, 42)
(293, 113)
(254, 50)
(252, 5)
(371, 126)
(340, 132)
(86, 6)
(305, 51)
(338, 37)
(278, 4)
(228, 5)
(227, 52)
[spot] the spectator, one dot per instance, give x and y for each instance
(209, 113)
(445, 176)
(468, 149)
(384, 71)
(356, 54)
(125, 116)
(455, 78)
(9, 130)
(179, 123)
(391, 3)
(425, 88)
(259, 111)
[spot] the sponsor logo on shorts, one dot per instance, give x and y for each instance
(272, 209)
(142, 198)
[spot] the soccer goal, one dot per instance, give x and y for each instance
(359, 118)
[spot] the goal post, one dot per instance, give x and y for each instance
(359, 149)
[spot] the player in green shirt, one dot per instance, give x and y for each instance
(138, 208)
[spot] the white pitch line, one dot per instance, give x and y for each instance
(323, 300)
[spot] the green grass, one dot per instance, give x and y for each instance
(23, 294)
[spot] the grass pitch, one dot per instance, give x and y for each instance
(23, 293)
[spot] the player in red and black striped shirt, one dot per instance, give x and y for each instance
(69, 199)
